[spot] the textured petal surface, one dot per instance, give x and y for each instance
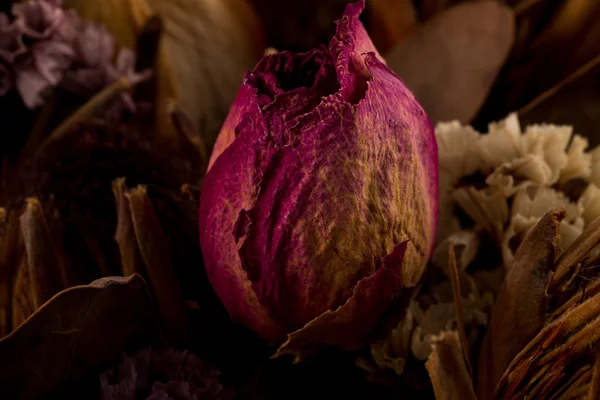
(325, 165)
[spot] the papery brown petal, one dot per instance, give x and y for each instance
(521, 307)
(451, 62)
(594, 389)
(567, 338)
(46, 272)
(125, 234)
(447, 369)
(152, 241)
(77, 331)
(588, 239)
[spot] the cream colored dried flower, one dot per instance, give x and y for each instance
(494, 189)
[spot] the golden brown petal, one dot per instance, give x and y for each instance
(151, 240)
(521, 307)
(447, 370)
(46, 272)
(574, 254)
(125, 235)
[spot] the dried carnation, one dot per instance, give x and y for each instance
(162, 375)
(494, 188)
(514, 178)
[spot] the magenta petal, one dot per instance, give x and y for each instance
(341, 327)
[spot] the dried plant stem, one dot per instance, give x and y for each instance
(47, 275)
(453, 271)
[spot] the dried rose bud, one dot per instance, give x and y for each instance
(320, 203)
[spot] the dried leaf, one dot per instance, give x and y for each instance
(447, 370)
(77, 331)
(519, 312)
(451, 62)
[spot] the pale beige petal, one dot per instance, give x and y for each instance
(466, 244)
(550, 141)
(392, 352)
(442, 317)
(528, 207)
(590, 203)
(456, 149)
(503, 143)
(487, 208)
(579, 164)
(520, 173)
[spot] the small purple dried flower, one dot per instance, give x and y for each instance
(43, 46)
(162, 375)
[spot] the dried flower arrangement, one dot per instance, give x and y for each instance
(335, 243)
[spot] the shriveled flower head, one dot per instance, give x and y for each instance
(162, 375)
(320, 201)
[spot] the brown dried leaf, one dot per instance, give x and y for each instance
(452, 61)
(519, 312)
(77, 331)
(447, 369)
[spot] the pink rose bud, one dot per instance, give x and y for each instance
(319, 208)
